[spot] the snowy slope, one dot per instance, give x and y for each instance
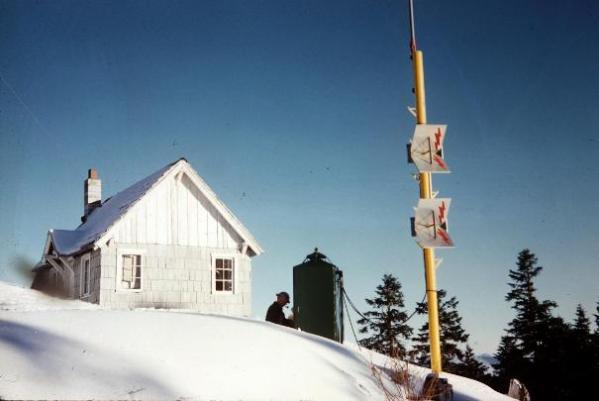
(13, 298)
(51, 349)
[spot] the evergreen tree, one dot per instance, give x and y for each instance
(571, 353)
(386, 323)
(582, 324)
(595, 340)
(532, 315)
(554, 366)
(534, 341)
(579, 353)
(595, 345)
(510, 364)
(471, 367)
(452, 335)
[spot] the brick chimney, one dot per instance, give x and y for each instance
(92, 193)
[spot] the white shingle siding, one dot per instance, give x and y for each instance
(177, 277)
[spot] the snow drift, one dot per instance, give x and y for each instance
(53, 349)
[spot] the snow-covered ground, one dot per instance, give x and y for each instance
(55, 349)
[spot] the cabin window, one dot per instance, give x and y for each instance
(223, 274)
(85, 275)
(130, 272)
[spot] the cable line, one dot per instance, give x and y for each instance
(365, 317)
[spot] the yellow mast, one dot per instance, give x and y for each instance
(426, 183)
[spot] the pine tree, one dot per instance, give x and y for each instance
(510, 364)
(531, 314)
(582, 324)
(576, 352)
(582, 339)
(530, 350)
(471, 367)
(595, 345)
(452, 335)
(595, 338)
(386, 323)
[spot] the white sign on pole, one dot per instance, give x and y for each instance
(426, 148)
(430, 223)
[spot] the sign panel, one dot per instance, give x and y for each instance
(426, 150)
(430, 223)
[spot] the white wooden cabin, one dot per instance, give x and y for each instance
(167, 241)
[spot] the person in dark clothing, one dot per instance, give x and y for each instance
(275, 311)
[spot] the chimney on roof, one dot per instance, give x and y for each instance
(92, 193)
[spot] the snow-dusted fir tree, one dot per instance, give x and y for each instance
(452, 335)
(385, 324)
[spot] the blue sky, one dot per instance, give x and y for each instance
(295, 113)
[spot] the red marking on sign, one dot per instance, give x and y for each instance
(440, 162)
(442, 212)
(443, 236)
(438, 138)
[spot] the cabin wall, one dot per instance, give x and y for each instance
(95, 275)
(176, 213)
(49, 281)
(177, 277)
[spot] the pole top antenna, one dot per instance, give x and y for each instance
(412, 28)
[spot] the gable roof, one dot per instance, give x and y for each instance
(104, 219)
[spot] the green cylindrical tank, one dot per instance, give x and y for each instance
(317, 297)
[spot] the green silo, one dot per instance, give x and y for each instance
(317, 297)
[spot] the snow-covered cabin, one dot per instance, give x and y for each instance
(167, 241)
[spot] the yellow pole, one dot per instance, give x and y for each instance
(429, 253)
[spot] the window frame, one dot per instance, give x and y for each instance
(119, 268)
(233, 279)
(85, 258)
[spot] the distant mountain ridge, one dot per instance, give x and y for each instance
(488, 359)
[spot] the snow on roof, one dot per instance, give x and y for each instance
(102, 218)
